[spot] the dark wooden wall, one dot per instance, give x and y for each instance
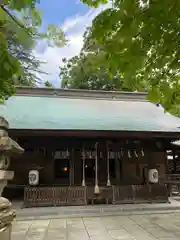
(128, 170)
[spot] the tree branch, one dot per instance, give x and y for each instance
(14, 19)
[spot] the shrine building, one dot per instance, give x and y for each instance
(83, 147)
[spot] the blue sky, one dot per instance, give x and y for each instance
(56, 11)
(73, 17)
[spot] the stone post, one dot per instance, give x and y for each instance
(7, 147)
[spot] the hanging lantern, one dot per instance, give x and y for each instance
(33, 177)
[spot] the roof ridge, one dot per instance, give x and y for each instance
(80, 93)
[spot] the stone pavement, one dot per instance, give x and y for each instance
(134, 227)
(94, 211)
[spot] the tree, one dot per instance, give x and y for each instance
(87, 71)
(23, 52)
(141, 40)
(48, 84)
(19, 66)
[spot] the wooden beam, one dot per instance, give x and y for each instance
(71, 167)
(139, 135)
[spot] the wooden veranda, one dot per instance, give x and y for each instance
(172, 182)
(78, 195)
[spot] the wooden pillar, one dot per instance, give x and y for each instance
(138, 171)
(118, 168)
(77, 167)
(166, 163)
(174, 161)
(149, 164)
(137, 161)
(71, 167)
(102, 164)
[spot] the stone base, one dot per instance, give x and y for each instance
(6, 218)
(5, 233)
(4, 177)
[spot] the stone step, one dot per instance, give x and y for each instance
(95, 211)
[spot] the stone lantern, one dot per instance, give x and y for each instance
(7, 148)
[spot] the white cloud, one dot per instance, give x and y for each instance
(74, 28)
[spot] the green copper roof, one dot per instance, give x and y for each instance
(73, 113)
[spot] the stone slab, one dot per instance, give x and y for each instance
(134, 227)
(94, 211)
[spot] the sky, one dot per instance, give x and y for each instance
(73, 18)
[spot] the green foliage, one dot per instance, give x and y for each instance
(141, 40)
(95, 3)
(175, 110)
(55, 36)
(18, 36)
(88, 71)
(21, 49)
(48, 84)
